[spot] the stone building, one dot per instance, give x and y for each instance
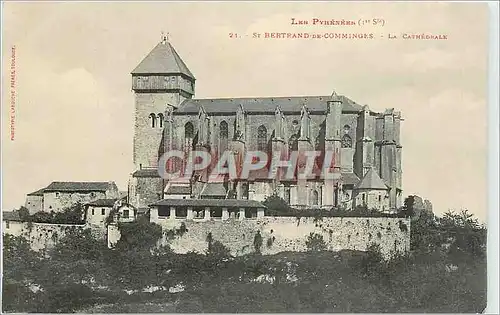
(11, 223)
(60, 195)
(99, 211)
(365, 143)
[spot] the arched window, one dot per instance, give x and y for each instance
(188, 131)
(315, 198)
(262, 138)
(224, 131)
(160, 119)
(293, 143)
(153, 120)
(346, 141)
(223, 136)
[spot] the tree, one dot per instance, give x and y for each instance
(24, 214)
(257, 242)
(465, 232)
(408, 204)
(315, 242)
(277, 206)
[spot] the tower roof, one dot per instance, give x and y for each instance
(371, 181)
(163, 59)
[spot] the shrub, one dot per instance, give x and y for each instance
(276, 206)
(257, 242)
(218, 250)
(140, 234)
(315, 242)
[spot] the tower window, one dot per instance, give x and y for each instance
(346, 141)
(379, 198)
(152, 118)
(93, 212)
(103, 211)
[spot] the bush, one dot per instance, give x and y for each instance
(217, 250)
(72, 215)
(257, 242)
(315, 242)
(140, 234)
(276, 206)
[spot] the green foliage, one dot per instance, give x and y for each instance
(72, 215)
(467, 236)
(140, 234)
(372, 262)
(315, 242)
(171, 234)
(407, 210)
(24, 213)
(72, 275)
(218, 250)
(257, 242)
(278, 207)
(19, 260)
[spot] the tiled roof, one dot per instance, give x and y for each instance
(163, 59)
(10, 216)
(229, 203)
(103, 203)
(350, 179)
(148, 172)
(39, 192)
(371, 181)
(263, 104)
(178, 190)
(79, 186)
(214, 189)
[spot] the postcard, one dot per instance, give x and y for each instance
(246, 157)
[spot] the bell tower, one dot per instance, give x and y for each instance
(161, 82)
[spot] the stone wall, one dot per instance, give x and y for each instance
(58, 201)
(286, 234)
(43, 235)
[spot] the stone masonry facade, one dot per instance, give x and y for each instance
(365, 143)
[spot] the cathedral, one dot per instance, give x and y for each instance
(366, 143)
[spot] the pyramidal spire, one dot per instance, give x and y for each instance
(163, 59)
